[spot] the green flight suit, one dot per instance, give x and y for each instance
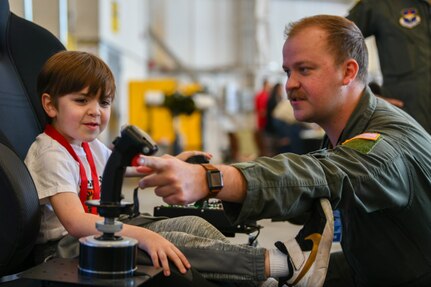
(382, 188)
(402, 29)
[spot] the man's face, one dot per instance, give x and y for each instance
(314, 82)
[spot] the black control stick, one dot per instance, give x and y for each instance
(109, 255)
(131, 143)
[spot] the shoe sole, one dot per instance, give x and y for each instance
(319, 256)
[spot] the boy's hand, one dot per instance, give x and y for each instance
(161, 251)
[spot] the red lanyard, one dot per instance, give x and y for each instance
(85, 193)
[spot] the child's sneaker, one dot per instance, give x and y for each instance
(308, 253)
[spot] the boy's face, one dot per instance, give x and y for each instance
(80, 117)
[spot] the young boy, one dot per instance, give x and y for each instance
(77, 90)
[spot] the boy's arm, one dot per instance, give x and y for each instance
(68, 208)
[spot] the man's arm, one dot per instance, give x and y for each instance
(235, 185)
(131, 171)
(178, 182)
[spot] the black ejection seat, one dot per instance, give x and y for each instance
(24, 47)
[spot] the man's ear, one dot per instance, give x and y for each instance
(48, 105)
(351, 69)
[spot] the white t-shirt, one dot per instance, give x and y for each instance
(54, 170)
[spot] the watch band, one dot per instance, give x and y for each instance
(214, 179)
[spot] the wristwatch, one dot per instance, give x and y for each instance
(214, 179)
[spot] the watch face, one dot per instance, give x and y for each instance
(216, 179)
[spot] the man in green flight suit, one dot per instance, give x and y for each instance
(402, 29)
(375, 164)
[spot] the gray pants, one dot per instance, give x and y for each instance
(209, 251)
(206, 248)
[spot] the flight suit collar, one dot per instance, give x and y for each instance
(359, 119)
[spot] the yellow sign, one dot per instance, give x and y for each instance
(156, 120)
(114, 17)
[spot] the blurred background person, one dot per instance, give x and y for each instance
(289, 129)
(281, 127)
(402, 33)
(272, 126)
(260, 108)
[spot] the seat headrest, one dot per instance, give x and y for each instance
(24, 48)
(4, 20)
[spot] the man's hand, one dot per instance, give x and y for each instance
(176, 181)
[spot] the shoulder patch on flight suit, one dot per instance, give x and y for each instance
(363, 143)
(410, 18)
